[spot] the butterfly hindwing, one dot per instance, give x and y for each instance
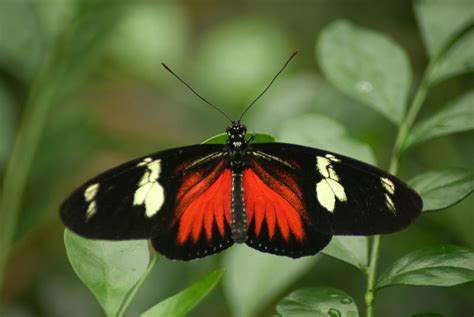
(339, 194)
(138, 199)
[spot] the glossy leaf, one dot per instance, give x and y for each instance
(253, 279)
(440, 20)
(442, 189)
(325, 133)
(317, 302)
(458, 60)
(108, 268)
(352, 250)
(366, 65)
(258, 138)
(455, 117)
(444, 265)
(183, 302)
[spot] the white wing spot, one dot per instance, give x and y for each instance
(332, 174)
(332, 157)
(388, 185)
(329, 189)
(89, 195)
(90, 192)
(389, 202)
(150, 192)
(91, 209)
(145, 161)
(325, 195)
(322, 165)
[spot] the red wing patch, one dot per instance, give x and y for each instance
(276, 199)
(201, 202)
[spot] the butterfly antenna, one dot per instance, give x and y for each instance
(269, 85)
(196, 93)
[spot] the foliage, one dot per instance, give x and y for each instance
(372, 68)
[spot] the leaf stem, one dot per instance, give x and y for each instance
(131, 295)
(402, 134)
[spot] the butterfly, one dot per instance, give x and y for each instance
(279, 198)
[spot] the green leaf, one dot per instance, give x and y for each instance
(458, 60)
(253, 279)
(258, 138)
(457, 116)
(317, 302)
(427, 315)
(442, 189)
(366, 65)
(183, 302)
(440, 20)
(108, 268)
(325, 133)
(352, 250)
(444, 265)
(301, 93)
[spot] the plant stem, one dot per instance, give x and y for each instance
(134, 290)
(402, 135)
(370, 294)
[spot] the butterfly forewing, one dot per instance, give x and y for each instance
(340, 195)
(178, 198)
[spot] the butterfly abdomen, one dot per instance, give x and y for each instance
(238, 214)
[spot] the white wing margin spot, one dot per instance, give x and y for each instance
(89, 196)
(150, 192)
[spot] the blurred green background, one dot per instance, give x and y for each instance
(94, 68)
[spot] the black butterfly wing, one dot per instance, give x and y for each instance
(340, 195)
(149, 197)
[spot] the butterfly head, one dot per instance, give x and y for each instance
(236, 132)
(236, 139)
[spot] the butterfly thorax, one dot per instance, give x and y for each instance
(237, 145)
